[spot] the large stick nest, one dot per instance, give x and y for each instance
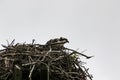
(42, 62)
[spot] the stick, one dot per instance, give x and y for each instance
(88, 57)
(31, 71)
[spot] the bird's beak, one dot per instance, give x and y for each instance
(67, 41)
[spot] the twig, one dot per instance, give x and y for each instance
(31, 71)
(88, 57)
(45, 55)
(31, 63)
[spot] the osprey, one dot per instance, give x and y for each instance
(57, 42)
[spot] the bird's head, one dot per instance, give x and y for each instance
(64, 40)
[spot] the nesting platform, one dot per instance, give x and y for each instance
(41, 62)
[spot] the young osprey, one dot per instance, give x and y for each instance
(58, 42)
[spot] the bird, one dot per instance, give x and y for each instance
(57, 42)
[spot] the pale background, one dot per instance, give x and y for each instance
(88, 24)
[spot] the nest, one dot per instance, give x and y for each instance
(41, 62)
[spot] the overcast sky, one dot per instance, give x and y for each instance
(88, 24)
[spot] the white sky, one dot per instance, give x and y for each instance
(88, 24)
